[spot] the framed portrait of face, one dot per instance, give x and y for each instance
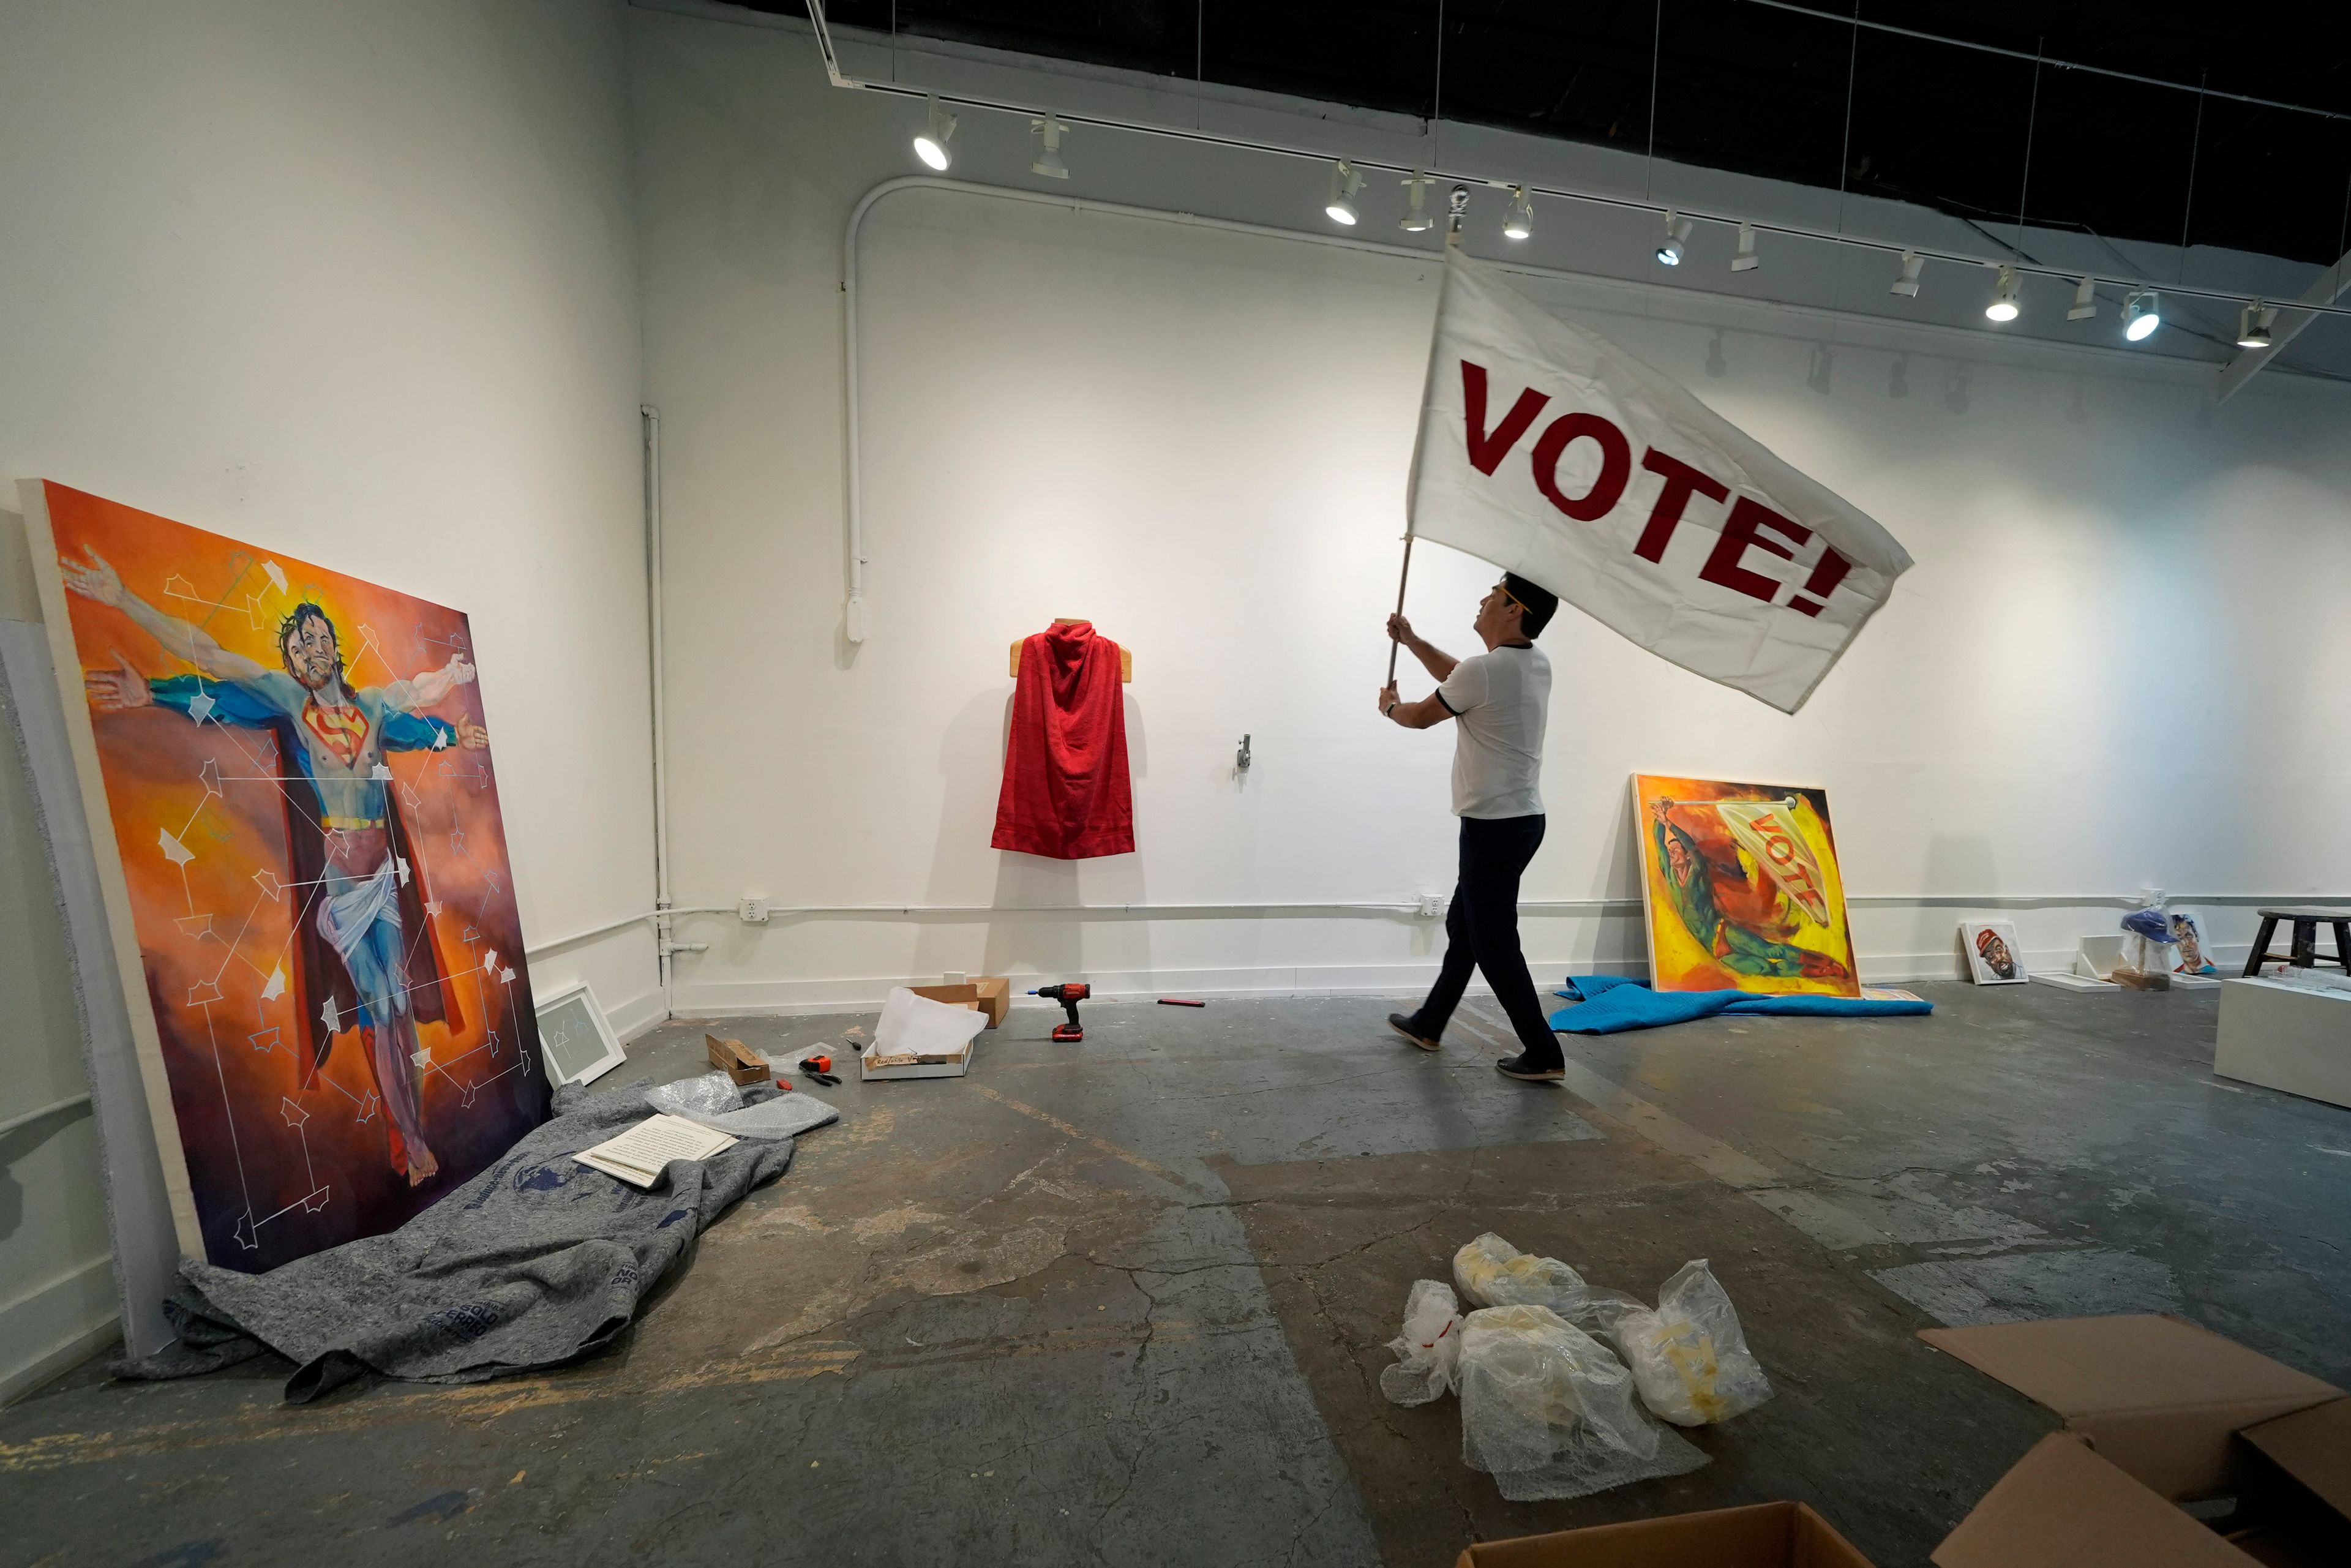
(1992, 953)
(2191, 955)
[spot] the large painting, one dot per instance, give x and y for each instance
(308, 878)
(1740, 888)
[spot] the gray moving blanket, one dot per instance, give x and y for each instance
(537, 1260)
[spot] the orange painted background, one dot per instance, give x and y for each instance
(1681, 959)
(279, 1171)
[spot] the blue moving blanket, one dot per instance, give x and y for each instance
(1615, 1003)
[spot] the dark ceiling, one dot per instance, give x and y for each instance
(1759, 88)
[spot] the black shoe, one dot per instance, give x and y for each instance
(1403, 1026)
(1519, 1067)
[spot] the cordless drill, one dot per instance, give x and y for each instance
(1070, 993)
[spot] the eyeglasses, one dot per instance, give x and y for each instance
(1513, 597)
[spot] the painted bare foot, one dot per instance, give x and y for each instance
(422, 1166)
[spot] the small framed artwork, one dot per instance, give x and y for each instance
(575, 1037)
(2194, 956)
(1994, 956)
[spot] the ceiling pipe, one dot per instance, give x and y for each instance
(2231, 297)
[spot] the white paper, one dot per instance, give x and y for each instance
(916, 1029)
(637, 1156)
(1555, 454)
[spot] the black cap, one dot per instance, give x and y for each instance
(1537, 604)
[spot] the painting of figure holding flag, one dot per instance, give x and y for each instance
(1740, 888)
(299, 779)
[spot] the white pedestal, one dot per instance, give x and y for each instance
(2286, 1037)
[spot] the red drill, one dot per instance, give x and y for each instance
(1070, 993)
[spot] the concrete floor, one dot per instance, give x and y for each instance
(1125, 1303)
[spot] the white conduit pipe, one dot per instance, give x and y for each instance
(1569, 907)
(853, 485)
(652, 417)
(853, 613)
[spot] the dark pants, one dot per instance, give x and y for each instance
(1482, 931)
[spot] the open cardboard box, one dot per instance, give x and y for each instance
(989, 994)
(1766, 1535)
(739, 1062)
(2180, 1446)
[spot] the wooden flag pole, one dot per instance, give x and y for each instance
(1404, 577)
(1458, 205)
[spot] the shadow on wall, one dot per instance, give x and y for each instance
(971, 764)
(1956, 862)
(20, 1141)
(1621, 944)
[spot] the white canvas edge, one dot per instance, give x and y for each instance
(129, 968)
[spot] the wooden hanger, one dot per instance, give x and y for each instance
(1126, 653)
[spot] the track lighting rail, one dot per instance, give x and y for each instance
(1903, 250)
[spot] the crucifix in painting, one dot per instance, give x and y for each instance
(308, 830)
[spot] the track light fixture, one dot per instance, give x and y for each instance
(2003, 297)
(2253, 324)
(1906, 285)
(1521, 221)
(1417, 218)
(1677, 232)
(1746, 260)
(930, 141)
(1344, 183)
(2142, 314)
(1047, 160)
(2085, 300)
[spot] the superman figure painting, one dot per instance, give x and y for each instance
(299, 784)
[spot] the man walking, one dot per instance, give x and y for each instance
(1498, 700)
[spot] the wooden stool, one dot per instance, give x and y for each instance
(2303, 951)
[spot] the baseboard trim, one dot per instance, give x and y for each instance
(786, 999)
(638, 1016)
(83, 1296)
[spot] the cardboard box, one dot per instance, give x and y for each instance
(2158, 1412)
(939, 1067)
(737, 1060)
(1766, 1535)
(2293, 1038)
(990, 994)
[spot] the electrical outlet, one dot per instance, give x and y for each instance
(752, 911)
(1431, 906)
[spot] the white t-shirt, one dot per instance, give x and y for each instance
(1498, 701)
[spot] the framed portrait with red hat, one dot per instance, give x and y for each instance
(1994, 956)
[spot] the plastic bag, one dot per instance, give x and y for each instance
(1548, 1412)
(781, 1116)
(1430, 1348)
(1493, 1273)
(1689, 1357)
(707, 1095)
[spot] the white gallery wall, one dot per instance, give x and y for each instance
(356, 283)
(2114, 665)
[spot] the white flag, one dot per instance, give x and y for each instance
(1555, 454)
